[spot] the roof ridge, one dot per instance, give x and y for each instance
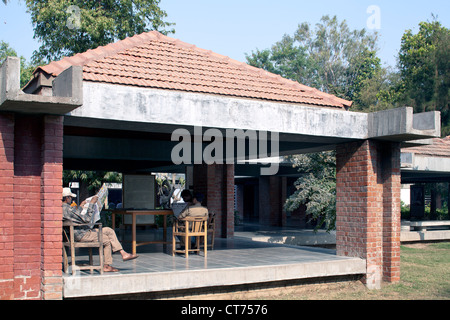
(231, 66)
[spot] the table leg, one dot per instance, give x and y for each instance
(133, 233)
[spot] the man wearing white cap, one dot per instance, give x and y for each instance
(88, 234)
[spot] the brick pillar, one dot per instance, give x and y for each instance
(229, 200)
(216, 181)
(6, 207)
(27, 207)
(272, 196)
(51, 212)
(390, 161)
(30, 214)
(368, 207)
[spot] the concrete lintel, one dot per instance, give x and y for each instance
(66, 97)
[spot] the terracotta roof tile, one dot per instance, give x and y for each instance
(439, 148)
(157, 61)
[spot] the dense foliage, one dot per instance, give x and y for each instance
(66, 27)
(344, 62)
(316, 188)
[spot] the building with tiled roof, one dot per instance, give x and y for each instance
(427, 163)
(150, 104)
(439, 147)
(153, 60)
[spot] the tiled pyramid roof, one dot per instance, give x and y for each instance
(153, 60)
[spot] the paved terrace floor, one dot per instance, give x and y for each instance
(235, 261)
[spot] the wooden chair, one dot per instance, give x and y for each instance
(187, 228)
(69, 242)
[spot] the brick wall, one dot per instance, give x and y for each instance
(368, 207)
(30, 229)
(6, 207)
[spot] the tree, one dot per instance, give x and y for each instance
(424, 64)
(316, 188)
(66, 27)
(331, 57)
(285, 58)
(90, 181)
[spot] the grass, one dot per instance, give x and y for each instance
(425, 275)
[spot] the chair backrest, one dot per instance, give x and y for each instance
(196, 224)
(211, 221)
(69, 237)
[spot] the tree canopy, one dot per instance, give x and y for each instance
(316, 188)
(26, 69)
(344, 62)
(66, 27)
(335, 59)
(330, 57)
(424, 66)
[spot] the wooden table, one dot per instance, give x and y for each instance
(135, 213)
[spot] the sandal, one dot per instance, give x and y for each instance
(108, 268)
(130, 257)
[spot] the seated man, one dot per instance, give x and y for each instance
(88, 234)
(194, 208)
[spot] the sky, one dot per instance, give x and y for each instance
(235, 28)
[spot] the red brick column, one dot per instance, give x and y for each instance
(51, 212)
(27, 207)
(272, 196)
(216, 181)
(391, 211)
(30, 214)
(6, 207)
(229, 199)
(368, 207)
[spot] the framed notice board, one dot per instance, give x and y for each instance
(139, 192)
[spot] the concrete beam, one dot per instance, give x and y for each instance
(156, 106)
(67, 94)
(127, 104)
(402, 124)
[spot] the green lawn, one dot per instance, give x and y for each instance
(425, 275)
